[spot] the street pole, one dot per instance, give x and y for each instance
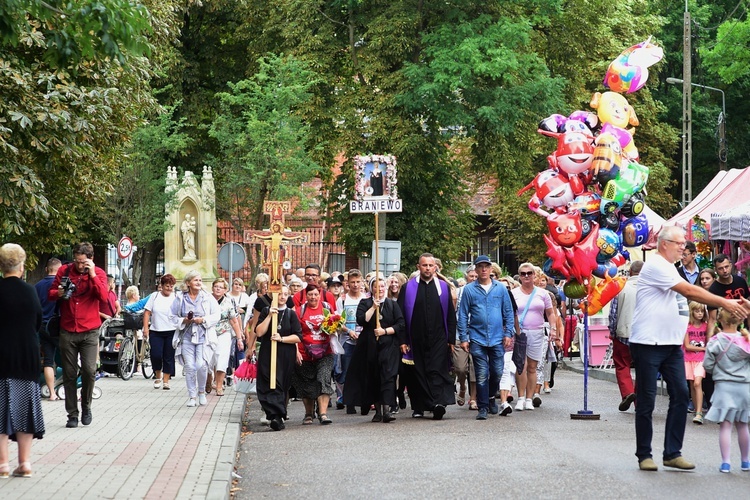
(687, 112)
(721, 122)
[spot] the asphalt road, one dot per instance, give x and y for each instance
(531, 454)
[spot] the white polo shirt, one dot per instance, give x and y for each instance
(661, 314)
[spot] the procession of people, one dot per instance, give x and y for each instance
(394, 343)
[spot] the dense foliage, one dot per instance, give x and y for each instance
(99, 96)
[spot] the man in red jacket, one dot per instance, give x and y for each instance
(79, 287)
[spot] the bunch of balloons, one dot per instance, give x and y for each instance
(592, 193)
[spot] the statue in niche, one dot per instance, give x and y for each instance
(188, 237)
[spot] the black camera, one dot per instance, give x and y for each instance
(68, 288)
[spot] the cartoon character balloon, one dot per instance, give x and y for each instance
(566, 228)
(616, 114)
(551, 190)
(574, 153)
(602, 293)
(634, 231)
(629, 72)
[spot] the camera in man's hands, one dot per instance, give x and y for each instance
(68, 288)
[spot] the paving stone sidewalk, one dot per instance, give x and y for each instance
(142, 443)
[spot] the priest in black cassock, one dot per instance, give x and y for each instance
(430, 337)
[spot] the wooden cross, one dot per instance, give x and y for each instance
(275, 240)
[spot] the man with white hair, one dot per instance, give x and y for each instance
(658, 332)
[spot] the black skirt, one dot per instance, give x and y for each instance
(20, 408)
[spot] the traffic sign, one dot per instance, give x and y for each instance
(124, 247)
(232, 257)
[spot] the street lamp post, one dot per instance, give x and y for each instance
(721, 123)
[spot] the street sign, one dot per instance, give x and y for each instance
(232, 257)
(124, 247)
(372, 206)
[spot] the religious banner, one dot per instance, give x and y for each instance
(375, 187)
(275, 241)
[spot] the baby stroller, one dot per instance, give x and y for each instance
(111, 334)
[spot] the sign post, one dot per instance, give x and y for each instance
(375, 192)
(124, 249)
(232, 258)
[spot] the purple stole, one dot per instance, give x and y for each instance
(410, 298)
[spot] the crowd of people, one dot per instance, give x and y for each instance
(425, 341)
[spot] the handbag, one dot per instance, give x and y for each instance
(245, 386)
(133, 321)
(316, 351)
(52, 325)
(248, 370)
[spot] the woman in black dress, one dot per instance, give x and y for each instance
(286, 336)
(372, 373)
(20, 399)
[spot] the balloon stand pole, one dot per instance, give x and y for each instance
(585, 414)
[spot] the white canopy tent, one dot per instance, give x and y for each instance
(732, 224)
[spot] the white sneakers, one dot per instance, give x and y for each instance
(505, 409)
(520, 404)
(529, 404)
(191, 402)
(537, 401)
(202, 399)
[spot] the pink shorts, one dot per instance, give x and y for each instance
(694, 369)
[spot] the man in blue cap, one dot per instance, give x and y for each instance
(485, 329)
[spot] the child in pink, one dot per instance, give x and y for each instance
(695, 349)
(728, 360)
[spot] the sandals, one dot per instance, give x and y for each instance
(461, 399)
(220, 392)
(23, 470)
(473, 405)
(4, 471)
(307, 420)
(165, 386)
(157, 383)
(324, 420)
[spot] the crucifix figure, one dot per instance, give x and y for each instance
(274, 241)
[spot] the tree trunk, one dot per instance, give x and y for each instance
(149, 254)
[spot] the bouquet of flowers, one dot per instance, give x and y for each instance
(332, 322)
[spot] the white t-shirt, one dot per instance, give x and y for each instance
(350, 305)
(160, 307)
(661, 314)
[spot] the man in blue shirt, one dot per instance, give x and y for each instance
(48, 344)
(485, 328)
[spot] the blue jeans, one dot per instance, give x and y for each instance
(488, 368)
(346, 359)
(162, 352)
(669, 361)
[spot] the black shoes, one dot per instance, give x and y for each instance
(438, 412)
(72, 423)
(86, 417)
(350, 410)
(277, 424)
(626, 402)
(377, 417)
(417, 414)
(388, 417)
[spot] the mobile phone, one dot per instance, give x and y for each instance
(190, 315)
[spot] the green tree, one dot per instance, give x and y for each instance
(263, 140)
(136, 207)
(70, 100)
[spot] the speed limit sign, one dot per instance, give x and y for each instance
(125, 247)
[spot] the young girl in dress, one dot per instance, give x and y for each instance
(695, 348)
(728, 359)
